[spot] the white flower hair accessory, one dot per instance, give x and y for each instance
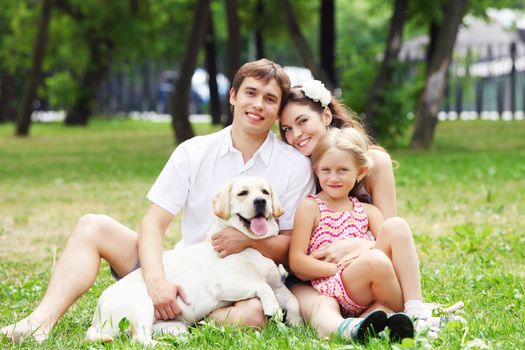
(315, 90)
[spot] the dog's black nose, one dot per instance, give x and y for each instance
(260, 203)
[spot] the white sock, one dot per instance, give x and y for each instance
(414, 308)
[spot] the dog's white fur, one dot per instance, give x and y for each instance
(210, 282)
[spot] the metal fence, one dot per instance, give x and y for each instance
(485, 83)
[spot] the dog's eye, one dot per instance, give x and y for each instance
(243, 193)
(265, 192)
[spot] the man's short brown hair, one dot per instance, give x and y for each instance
(265, 70)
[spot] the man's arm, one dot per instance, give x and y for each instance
(230, 241)
(151, 236)
(275, 248)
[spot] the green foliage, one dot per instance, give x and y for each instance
(479, 8)
(360, 42)
(20, 18)
(395, 113)
(360, 45)
(155, 31)
(152, 31)
(62, 90)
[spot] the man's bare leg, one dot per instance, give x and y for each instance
(323, 312)
(94, 237)
(243, 313)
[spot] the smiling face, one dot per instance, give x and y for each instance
(338, 172)
(303, 127)
(256, 104)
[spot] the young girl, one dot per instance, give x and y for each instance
(359, 279)
(309, 111)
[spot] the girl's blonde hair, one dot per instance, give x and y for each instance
(347, 140)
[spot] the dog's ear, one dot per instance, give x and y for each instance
(221, 201)
(277, 208)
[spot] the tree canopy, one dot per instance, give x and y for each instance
(89, 40)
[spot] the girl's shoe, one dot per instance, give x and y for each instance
(359, 329)
(401, 326)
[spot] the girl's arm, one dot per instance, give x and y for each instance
(303, 266)
(380, 183)
(375, 218)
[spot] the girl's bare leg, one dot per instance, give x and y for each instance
(371, 278)
(395, 240)
(94, 237)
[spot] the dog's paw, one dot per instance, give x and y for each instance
(148, 341)
(95, 334)
(278, 315)
(293, 319)
(273, 310)
(174, 328)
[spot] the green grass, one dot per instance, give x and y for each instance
(464, 199)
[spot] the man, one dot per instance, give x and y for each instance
(197, 169)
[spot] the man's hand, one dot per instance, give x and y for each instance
(229, 241)
(349, 249)
(164, 296)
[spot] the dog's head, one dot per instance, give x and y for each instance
(250, 205)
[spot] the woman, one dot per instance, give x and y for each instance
(308, 111)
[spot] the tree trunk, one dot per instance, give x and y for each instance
(234, 47)
(436, 79)
(7, 111)
(384, 76)
(100, 50)
(259, 38)
(179, 98)
(431, 48)
(211, 67)
(23, 119)
(302, 46)
(327, 39)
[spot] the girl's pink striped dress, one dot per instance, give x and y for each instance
(335, 226)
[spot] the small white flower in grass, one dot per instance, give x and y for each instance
(315, 90)
(476, 344)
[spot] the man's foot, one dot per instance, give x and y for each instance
(401, 326)
(26, 328)
(359, 329)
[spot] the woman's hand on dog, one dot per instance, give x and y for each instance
(164, 296)
(229, 241)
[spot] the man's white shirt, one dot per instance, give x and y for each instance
(201, 166)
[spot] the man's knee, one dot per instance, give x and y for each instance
(89, 227)
(249, 313)
(321, 304)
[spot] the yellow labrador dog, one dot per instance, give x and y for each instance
(210, 282)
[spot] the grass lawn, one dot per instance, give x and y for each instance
(464, 199)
